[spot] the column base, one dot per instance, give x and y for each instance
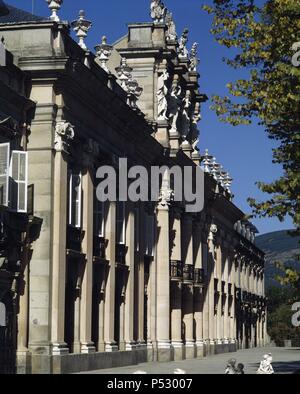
(87, 348)
(101, 347)
(59, 348)
(226, 341)
(111, 347)
(23, 362)
(164, 351)
(200, 351)
(178, 350)
(190, 350)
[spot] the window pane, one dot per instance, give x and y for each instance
(22, 197)
(22, 164)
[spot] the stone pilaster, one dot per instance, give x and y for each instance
(109, 309)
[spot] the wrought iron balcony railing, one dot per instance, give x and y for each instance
(74, 238)
(121, 251)
(99, 247)
(199, 277)
(188, 273)
(176, 270)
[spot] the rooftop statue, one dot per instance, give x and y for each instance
(182, 50)
(158, 11)
(171, 33)
(194, 61)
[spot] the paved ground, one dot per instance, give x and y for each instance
(285, 361)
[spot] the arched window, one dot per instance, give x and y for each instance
(2, 315)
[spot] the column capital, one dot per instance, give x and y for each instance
(166, 196)
(64, 135)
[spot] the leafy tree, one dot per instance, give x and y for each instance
(263, 40)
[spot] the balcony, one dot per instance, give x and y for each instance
(176, 270)
(99, 247)
(74, 238)
(216, 283)
(223, 287)
(199, 277)
(188, 274)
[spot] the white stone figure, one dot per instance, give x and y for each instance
(129, 84)
(186, 118)
(158, 11)
(194, 128)
(64, 134)
(175, 103)
(103, 52)
(182, 49)
(230, 367)
(162, 92)
(171, 32)
(194, 61)
(124, 73)
(54, 6)
(265, 367)
(81, 26)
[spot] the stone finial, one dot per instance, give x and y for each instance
(103, 52)
(158, 11)
(194, 61)
(64, 135)
(182, 49)
(124, 73)
(227, 181)
(129, 84)
(54, 6)
(206, 161)
(171, 33)
(81, 26)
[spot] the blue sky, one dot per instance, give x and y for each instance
(245, 151)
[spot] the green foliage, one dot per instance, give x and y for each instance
(261, 40)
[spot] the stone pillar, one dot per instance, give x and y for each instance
(219, 330)
(163, 275)
(211, 290)
(226, 327)
(109, 311)
(233, 317)
(64, 133)
(188, 293)
(129, 298)
(176, 289)
(198, 291)
(87, 248)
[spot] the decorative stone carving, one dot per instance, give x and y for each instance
(129, 84)
(64, 135)
(174, 106)
(206, 161)
(90, 152)
(194, 61)
(103, 52)
(54, 6)
(182, 49)
(194, 128)
(162, 92)
(158, 11)
(171, 32)
(81, 26)
(186, 118)
(166, 196)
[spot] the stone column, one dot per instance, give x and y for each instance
(219, 330)
(198, 291)
(129, 298)
(188, 293)
(87, 248)
(109, 311)
(64, 134)
(205, 294)
(211, 289)
(176, 288)
(226, 328)
(163, 275)
(233, 320)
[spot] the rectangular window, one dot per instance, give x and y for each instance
(75, 199)
(4, 173)
(120, 222)
(19, 180)
(99, 218)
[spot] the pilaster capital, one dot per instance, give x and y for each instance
(166, 196)
(64, 135)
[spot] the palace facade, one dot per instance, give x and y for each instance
(101, 284)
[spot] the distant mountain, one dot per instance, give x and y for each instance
(278, 246)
